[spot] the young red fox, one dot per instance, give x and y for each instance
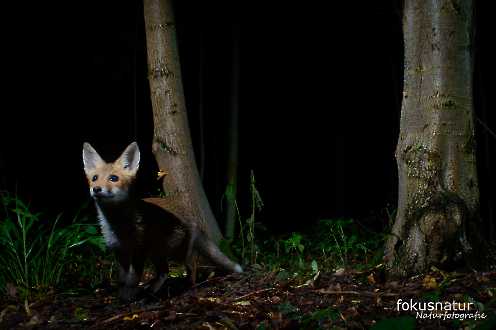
(139, 229)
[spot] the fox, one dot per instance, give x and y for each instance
(142, 229)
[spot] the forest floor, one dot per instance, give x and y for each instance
(258, 299)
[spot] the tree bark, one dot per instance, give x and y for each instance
(233, 139)
(438, 190)
(172, 144)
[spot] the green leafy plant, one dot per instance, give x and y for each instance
(37, 253)
(256, 206)
(319, 319)
(343, 243)
(400, 323)
(315, 267)
(330, 243)
(340, 240)
(290, 311)
(247, 244)
(295, 248)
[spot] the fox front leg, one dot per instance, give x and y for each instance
(191, 258)
(192, 267)
(161, 272)
(129, 275)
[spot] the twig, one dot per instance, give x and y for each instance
(211, 279)
(204, 282)
(358, 293)
(252, 293)
(142, 310)
(338, 292)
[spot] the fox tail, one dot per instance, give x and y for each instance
(211, 252)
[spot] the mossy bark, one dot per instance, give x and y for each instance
(172, 144)
(438, 191)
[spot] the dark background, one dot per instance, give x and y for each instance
(320, 95)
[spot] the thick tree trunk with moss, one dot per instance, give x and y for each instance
(438, 189)
(172, 145)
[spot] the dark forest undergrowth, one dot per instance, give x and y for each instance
(260, 299)
(57, 274)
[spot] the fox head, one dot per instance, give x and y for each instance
(111, 182)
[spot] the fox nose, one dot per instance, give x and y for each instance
(97, 190)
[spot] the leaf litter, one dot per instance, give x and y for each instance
(261, 300)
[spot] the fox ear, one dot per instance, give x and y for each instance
(130, 158)
(91, 158)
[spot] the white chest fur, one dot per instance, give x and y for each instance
(108, 234)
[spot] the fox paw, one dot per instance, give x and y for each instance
(155, 284)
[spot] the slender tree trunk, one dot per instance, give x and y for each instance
(201, 105)
(486, 143)
(172, 145)
(233, 139)
(438, 189)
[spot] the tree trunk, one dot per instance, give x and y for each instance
(438, 190)
(172, 144)
(233, 139)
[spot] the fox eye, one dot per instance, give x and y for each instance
(94, 178)
(114, 178)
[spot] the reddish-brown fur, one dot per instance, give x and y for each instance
(104, 171)
(138, 229)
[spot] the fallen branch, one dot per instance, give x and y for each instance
(139, 311)
(358, 293)
(253, 293)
